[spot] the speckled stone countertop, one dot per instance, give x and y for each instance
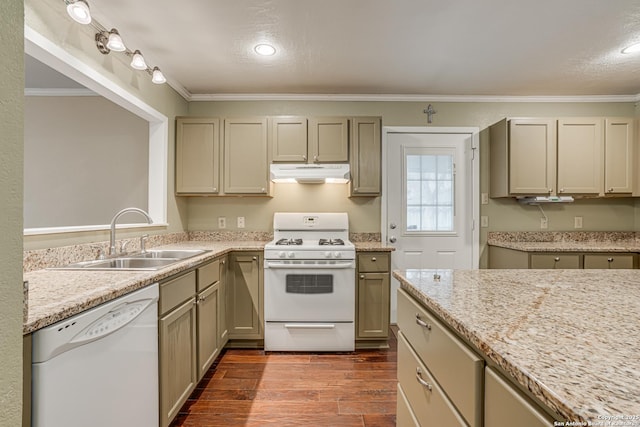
(571, 337)
(551, 241)
(55, 295)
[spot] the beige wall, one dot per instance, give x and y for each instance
(49, 18)
(504, 214)
(11, 107)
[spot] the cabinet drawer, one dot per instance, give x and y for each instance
(426, 399)
(404, 416)
(503, 404)
(454, 365)
(208, 274)
(373, 262)
(176, 291)
(551, 261)
(612, 261)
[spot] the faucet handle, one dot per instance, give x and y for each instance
(123, 245)
(143, 240)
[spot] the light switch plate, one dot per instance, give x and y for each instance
(577, 222)
(544, 223)
(484, 198)
(222, 222)
(240, 222)
(484, 221)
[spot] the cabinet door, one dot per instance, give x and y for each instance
(178, 368)
(550, 261)
(373, 305)
(288, 139)
(223, 330)
(245, 156)
(503, 404)
(580, 152)
(207, 327)
(246, 299)
(197, 155)
(618, 155)
(365, 156)
(532, 156)
(608, 261)
(328, 139)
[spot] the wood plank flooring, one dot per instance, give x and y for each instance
(254, 388)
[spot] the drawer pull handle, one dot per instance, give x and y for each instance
(422, 382)
(609, 259)
(422, 323)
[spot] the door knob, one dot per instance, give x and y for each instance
(392, 239)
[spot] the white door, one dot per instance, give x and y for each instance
(430, 205)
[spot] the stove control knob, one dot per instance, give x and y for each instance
(337, 254)
(291, 254)
(327, 254)
(281, 254)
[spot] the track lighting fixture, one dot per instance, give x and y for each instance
(137, 61)
(107, 41)
(78, 10)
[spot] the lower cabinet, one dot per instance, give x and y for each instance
(503, 404)
(372, 296)
(511, 258)
(442, 381)
(178, 344)
(245, 312)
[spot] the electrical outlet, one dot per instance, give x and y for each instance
(484, 221)
(544, 223)
(484, 198)
(577, 222)
(222, 222)
(240, 222)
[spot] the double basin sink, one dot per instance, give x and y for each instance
(148, 260)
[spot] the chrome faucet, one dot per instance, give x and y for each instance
(112, 239)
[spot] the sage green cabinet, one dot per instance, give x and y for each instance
(223, 329)
(208, 304)
(366, 155)
(580, 155)
(245, 296)
(178, 344)
(197, 155)
(246, 167)
(288, 139)
(373, 296)
(620, 151)
(523, 157)
(503, 404)
(328, 139)
(510, 258)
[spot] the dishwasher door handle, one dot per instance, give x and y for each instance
(309, 325)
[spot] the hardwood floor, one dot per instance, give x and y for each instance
(254, 388)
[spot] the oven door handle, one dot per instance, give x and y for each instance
(309, 266)
(309, 325)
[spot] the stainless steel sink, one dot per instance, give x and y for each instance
(169, 253)
(150, 260)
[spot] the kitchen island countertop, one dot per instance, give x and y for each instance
(570, 337)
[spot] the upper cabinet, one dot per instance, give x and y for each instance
(197, 155)
(328, 140)
(288, 139)
(246, 169)
(366, 152)
(566, 156)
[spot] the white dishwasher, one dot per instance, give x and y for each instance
(99, 368)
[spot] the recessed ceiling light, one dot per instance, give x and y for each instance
(634, 48)
(265, 49)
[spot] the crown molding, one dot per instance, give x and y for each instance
(407, 98)
(36, 91)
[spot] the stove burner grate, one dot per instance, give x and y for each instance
(289, 242)
(331, 242)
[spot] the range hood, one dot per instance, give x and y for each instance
(310, 173)
(545, 199)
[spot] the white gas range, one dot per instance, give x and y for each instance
(309, 283)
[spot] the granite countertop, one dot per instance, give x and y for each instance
(568, 336)
(55, 295)
(573, 241)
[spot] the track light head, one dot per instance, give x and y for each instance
(78, 10)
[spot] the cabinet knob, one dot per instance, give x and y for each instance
(610, 190)
(355, 190)
(315, 159)
(422, 323)
(609, 259)
(263, 190)
(215, 189)
(556, 259)
(255, 258)
(550, 190)
(362, 276)
(223, 262)
(561, 190)
(422, 382)
(373, 259)
(304, 157)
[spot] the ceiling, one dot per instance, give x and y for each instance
(386, 47)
